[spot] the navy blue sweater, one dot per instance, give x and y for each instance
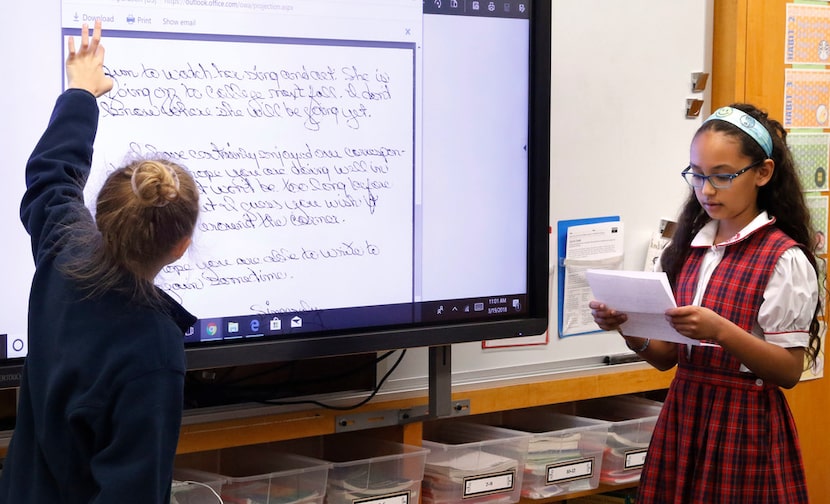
(101, 395)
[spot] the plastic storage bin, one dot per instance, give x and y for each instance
(564, 454)
(369, 470)
(632, 421)
(473, 463)
(194, 493)
(195, 487)
(262, 475)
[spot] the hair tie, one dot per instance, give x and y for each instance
(747, 124)
(133, 183)
(173, 174)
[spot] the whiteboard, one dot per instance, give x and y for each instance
(621, 75)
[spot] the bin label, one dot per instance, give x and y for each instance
(635, 459)
(489, 484)
(569, 471)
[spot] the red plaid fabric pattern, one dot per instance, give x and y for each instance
(724, 436)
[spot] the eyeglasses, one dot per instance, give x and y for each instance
(718, 180)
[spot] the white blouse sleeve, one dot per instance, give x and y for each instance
(789, 301)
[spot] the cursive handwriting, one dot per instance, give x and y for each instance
(316, 97)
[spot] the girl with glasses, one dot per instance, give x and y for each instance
(743, 270)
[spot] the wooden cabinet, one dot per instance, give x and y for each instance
(748, 66)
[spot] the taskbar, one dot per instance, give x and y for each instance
(330, 321)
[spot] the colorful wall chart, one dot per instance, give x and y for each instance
(811, 153)
(808, 34)
(807, 117)
(806, 98)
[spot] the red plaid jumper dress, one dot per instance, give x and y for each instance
(725, 436)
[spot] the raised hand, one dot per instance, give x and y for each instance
(85, 67)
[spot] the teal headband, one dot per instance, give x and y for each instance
(747, 124)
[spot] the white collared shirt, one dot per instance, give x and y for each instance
(789, 298)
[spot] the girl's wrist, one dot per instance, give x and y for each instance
(638, 348)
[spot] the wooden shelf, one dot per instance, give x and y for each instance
(259, 424)
(600, 489)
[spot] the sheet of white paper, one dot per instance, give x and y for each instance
(642, 295)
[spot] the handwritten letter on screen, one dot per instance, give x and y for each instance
(303, 155)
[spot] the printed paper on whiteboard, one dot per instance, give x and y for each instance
(594, 245)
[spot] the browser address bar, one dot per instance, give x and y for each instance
(304, 7)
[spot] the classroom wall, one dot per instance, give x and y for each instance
(621, 77)
(619, 139)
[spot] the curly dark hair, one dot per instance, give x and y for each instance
(781, 197)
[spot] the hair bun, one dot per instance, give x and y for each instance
(155, 183)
